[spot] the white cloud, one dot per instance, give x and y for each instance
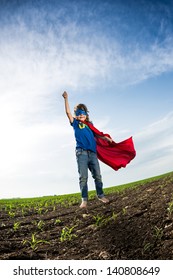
(63, 57)
(155, 145)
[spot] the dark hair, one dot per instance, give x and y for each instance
(83, 107)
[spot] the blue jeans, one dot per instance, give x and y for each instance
(88, 160)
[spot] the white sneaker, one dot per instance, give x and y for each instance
(83, 204)
(104, 199)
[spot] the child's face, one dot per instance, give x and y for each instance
(81, 117)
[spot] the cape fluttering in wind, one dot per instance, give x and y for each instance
(116, 155)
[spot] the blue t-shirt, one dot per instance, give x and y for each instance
(84, 136)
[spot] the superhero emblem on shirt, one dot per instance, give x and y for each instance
(82, 125)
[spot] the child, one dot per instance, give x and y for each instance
(85, 151)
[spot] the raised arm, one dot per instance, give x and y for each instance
(67, 107)
(105, 138)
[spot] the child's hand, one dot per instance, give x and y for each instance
(109, 139)
(65, 94)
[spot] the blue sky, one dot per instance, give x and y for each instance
(114, 56)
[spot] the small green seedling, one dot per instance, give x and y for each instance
(34, 242)
(66, 234)
(16, 226)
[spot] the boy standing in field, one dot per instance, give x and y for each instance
(86, 154)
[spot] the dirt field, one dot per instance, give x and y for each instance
(137, 224)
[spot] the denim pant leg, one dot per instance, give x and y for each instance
(82, 162)
(94, 167)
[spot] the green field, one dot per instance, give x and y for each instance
(68, 199)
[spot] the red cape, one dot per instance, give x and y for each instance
(116, 155)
